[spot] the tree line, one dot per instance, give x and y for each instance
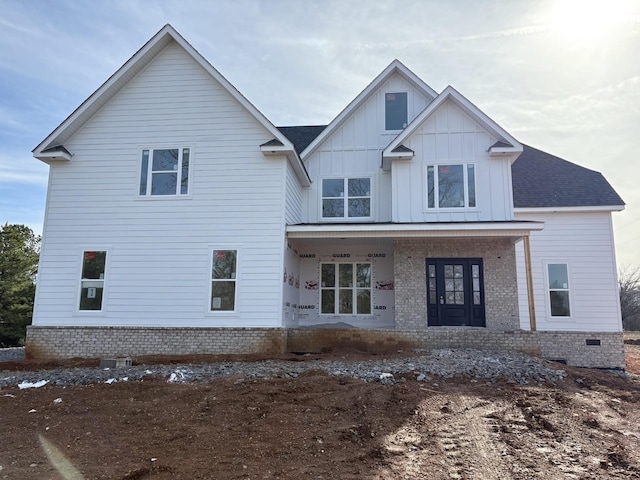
(20, 250)
(19, 253)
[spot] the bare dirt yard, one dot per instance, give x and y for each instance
(319, 426)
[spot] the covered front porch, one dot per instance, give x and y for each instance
(404, 277)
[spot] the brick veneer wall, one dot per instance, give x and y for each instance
(97, 342)
(500, 283)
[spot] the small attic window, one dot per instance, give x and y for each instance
(395, 111)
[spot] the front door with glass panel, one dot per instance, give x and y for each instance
(455, 292)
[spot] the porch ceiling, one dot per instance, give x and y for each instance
(508, 229)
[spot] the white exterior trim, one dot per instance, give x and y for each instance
(133, 66)
(597, 208)
(468, 107)
(419, 230)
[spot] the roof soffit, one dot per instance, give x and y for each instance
(394, 67)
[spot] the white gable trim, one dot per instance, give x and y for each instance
(470, 109)
(133, 66)
(394, 67)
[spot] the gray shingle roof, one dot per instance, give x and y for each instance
(301, 137)
(544, 180)
(272, 143)
(539, 178)
(401, 149)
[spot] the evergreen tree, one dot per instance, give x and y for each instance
(19, 252)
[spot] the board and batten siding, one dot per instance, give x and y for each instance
(450, 136)
(584, 241)
(354, 150)
(160, 248)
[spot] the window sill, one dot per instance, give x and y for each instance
(89, 313)
(346, 220)
(160, 198)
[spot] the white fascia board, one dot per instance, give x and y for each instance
(507, 229)
(395, 66)
(292, 156)
(467, 107)
(141, 58)
(109, 88)
(596, 208)
(386, 161)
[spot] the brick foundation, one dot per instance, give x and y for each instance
(606, 350)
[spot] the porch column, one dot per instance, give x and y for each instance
(527, 263)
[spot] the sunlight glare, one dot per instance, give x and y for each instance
(587, 18)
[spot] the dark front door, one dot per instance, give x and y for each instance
(455, 292)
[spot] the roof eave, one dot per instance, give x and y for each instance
(54, 156)
(387, 160)
(569, 209)
(273, 150)
(514, 229)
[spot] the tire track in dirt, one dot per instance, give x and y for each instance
(463, 434)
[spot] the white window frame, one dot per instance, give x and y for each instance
(211, 280)
(549, 289)
(148, 174)
(102, 281)
(345, 198)
(384, 109)
(436, 192)
(336, 288)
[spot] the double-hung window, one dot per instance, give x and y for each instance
(345, 288)
(92, 281)
(558, 277)
(451, 186)
(164, 171)
(346, 198)
(223, 280)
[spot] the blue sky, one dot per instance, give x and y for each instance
(560, 75)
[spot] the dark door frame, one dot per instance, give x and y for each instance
(462, 302)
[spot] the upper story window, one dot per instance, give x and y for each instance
(395, 111)
(164, 171)
(451, 186)
(346, 197)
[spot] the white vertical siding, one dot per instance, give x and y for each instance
(449, 136)
(160, 248)
(354, 150)
(583, 241)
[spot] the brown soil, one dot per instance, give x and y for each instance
(322, 427)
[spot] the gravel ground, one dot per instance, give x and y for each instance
(487, 365)
(11, 354)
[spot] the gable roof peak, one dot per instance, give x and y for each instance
(396, 66)
(130, 69)
(509, 146)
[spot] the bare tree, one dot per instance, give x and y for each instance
(629, 281)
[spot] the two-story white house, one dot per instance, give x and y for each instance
(179, 219)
